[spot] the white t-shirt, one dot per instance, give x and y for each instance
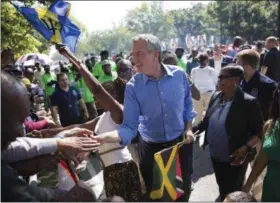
(205, 79)
(38, 75)
(106, 124)
(218, 65)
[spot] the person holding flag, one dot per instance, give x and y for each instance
(164, 120)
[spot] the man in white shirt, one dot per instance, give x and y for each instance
(219, 60)
(205, 79)
(38, 74)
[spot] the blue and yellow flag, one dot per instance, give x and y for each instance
(53, 23)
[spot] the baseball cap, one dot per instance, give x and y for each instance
(106, 62)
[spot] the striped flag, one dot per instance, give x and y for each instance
(167, 175)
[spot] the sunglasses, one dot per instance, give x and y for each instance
(221, 77)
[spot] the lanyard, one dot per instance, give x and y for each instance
(68, 98)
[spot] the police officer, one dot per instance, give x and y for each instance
(255, 83)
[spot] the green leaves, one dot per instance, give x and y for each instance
(252, 20)
(18, 34)
(151, 18)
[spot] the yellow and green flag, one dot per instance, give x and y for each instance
(167, 175)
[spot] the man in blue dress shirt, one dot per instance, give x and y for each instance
(158, 103)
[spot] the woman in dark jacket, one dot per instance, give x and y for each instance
(232, 125)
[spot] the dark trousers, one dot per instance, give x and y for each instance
(229, 178)
(92, 112)
(73, 121)
(146, 153)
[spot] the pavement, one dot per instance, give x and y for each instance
(205, 186)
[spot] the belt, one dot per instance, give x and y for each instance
(167, 144)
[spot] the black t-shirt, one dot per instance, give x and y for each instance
(15, 189)
(67, 103)
(272, 61)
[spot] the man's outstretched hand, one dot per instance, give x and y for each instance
(77, 141)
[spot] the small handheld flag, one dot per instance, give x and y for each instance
(53, 23)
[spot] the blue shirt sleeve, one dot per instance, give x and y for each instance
(188, 106)
(128, 129)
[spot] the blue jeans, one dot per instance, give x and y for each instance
(146, 153)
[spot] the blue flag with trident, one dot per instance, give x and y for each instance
(53, 23)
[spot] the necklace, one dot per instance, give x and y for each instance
(68, 97)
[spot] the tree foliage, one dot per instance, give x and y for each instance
(32, 2)
(151, 18)
(194, 21)
(252, 20)
(115, 40)
(18, 34)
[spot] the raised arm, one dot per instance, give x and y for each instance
(100, 94)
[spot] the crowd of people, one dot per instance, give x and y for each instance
(123, 110)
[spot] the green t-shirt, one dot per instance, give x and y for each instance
(70, 76)
(106, 78)
(46, 78)
(84, 90)
(98, 71)
(182, 64)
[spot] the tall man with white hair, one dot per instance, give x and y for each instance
(158, 104)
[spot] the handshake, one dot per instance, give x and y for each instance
(77, 143)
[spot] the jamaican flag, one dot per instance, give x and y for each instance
(167, 174)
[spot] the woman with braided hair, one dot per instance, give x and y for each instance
(121, 176)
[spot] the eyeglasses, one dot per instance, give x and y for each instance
(221, 77)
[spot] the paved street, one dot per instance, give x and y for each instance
(205, 188)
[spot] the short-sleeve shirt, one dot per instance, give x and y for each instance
(67, 103)
(272, 61)
(98, 71)
(271, 148)
(182, 64)
(46, 78)
(106, 78)
(84, 91)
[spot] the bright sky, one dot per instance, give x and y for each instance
(97, 15)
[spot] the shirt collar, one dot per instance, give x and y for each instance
(166, 70)
(254, 78)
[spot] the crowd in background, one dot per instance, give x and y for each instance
(236, 101)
